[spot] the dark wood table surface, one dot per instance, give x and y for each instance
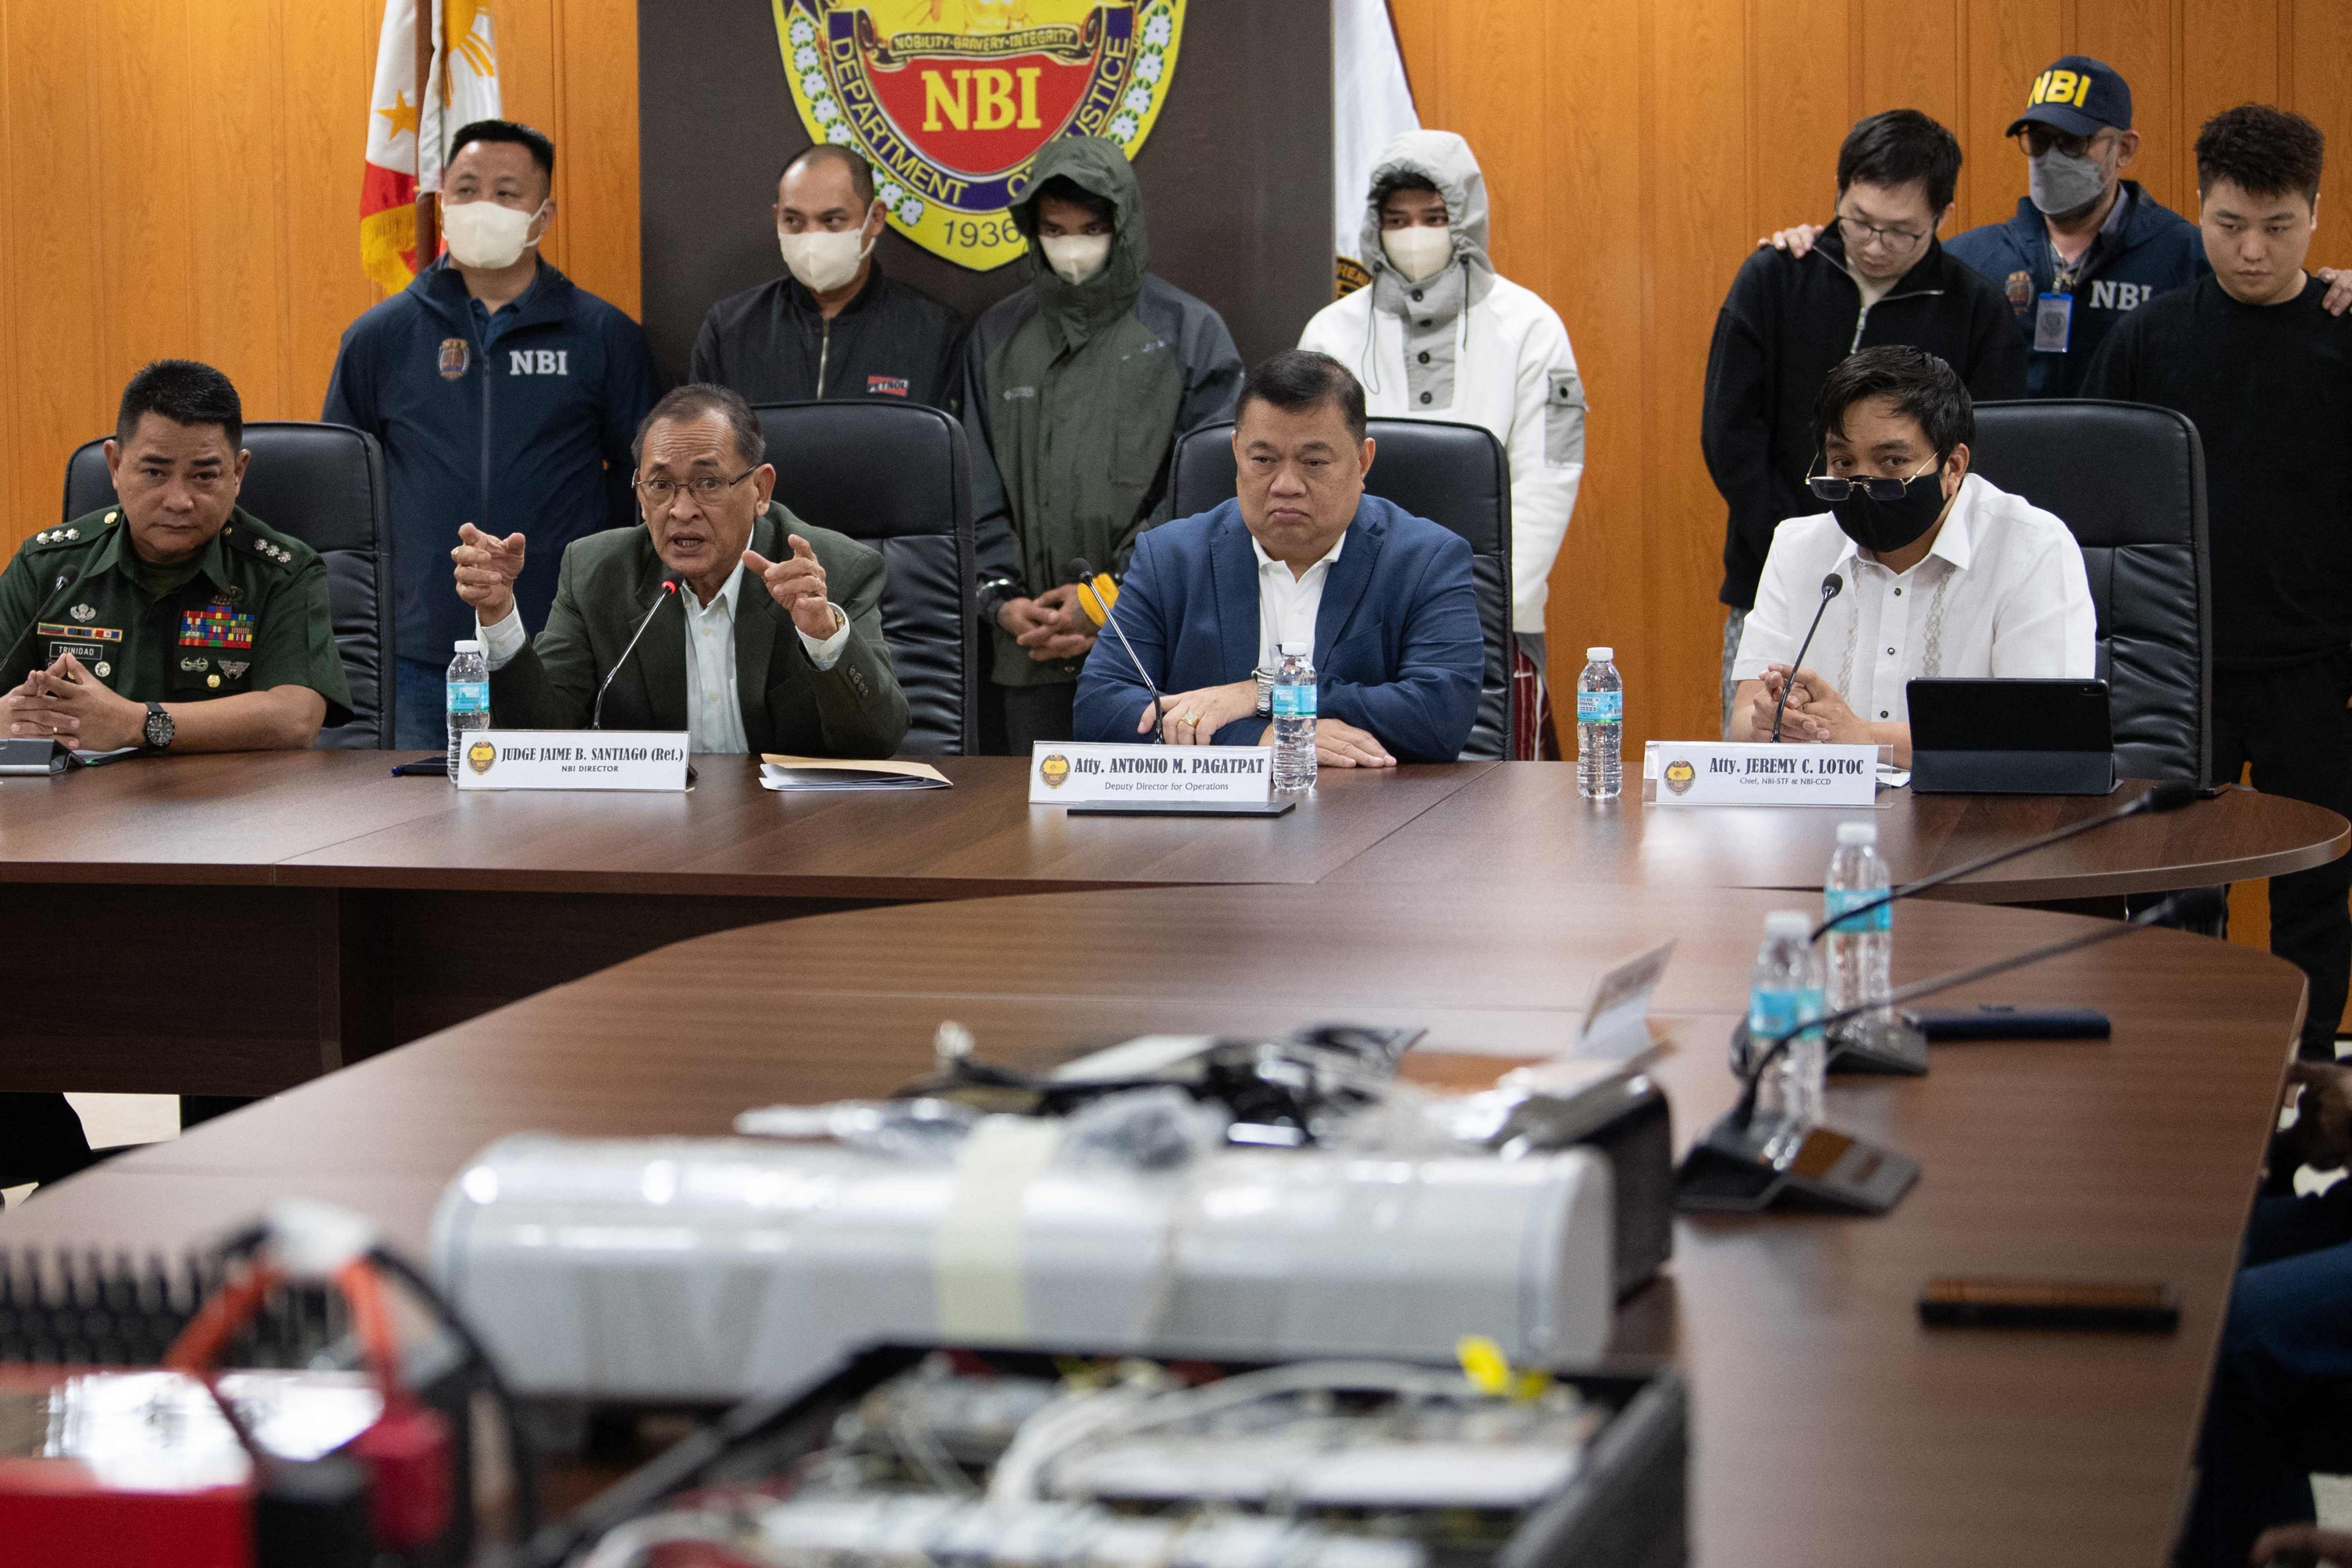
(233, 924)
(1553, 835)
(1831, 1428)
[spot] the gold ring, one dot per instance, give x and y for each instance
(1193, 719)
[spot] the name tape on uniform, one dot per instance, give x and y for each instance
(574, 759)
(1738, 773)
(1068, 773)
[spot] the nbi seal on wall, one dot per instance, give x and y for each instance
(951, 100)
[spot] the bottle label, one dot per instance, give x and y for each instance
(1836, 901)
(1599, 707)
(1771, 1014)
(1294, 702)
(469, 696)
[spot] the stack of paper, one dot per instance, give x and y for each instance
(843, 773)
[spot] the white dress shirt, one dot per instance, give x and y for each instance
(714, 715)
(2001, 593)
(1287, 605)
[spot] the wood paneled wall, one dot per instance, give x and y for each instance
(182, 179)
(1635, 149)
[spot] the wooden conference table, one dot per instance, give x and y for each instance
(233, 924)
(1830, 1426)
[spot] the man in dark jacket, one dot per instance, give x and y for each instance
(505, 397)
(1076, 389)
(2086, 246)
(833, 326)
(1877, 276)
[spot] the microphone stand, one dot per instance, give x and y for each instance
(1831, 586)
(1091, 602)
(1898, 1047)
(1735, 1168)
(597, 714)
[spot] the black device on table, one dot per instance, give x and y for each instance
(2011, 738)
(2150, 1307)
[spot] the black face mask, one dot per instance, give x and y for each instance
(1880, 527)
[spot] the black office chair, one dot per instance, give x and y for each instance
(897, 476)
(1457, 476)
(2129, 480)
(322, 484)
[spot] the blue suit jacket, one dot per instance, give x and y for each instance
(1398, 649)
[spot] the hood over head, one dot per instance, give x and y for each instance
(1095, 165)
(1445, 161)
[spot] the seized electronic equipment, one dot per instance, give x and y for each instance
(334, 1444)
(1236, 1197)
(1025, 1459)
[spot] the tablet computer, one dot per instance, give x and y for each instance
(2012, 737)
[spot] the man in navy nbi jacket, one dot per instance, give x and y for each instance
(1301, 555)
(505, 396)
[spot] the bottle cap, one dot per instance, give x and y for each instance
(1858, 833)
(1600, 655)
(1789, 923)
(468, 646)
(1304, 650)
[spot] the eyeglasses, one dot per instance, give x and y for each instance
(709, 487)
(1831, 488)
(1898, 242)
(2040, 138)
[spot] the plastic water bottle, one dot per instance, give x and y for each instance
(1859, 960)
(1600, 726)
(1293, 717)
(469, 700)
(1784, 992)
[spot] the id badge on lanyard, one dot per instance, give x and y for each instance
(2053, 323)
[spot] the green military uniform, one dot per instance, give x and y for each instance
(250, 612)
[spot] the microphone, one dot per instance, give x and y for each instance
(1099, 599)
(2168, 796)
(1731, 1169)
(2162, 910)
(596, 714)
(1831, 586)
(67, 575)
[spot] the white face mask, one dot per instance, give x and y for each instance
(823, 259)
(1418, 252)
(486, 234)
(1076, 257)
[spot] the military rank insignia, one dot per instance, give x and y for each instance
(215, 626)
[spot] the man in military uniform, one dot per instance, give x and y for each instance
(171, 622)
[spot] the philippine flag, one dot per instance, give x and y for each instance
(463, 88)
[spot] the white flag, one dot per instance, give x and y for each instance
(1371, 104)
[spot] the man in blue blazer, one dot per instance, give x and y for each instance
(1301, 554)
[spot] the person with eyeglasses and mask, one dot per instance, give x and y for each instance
(2086, 247)
(775, 644)
(504, 396)
(834, 326)
(1945, 574)
(1877, 277)
(1075, 388)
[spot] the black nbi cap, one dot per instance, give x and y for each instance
(2079, 95)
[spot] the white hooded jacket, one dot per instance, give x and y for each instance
(1473, 348)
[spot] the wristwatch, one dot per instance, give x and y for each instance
(159, 729)
(1264, 690)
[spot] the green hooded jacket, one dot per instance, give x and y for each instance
(1073, 396)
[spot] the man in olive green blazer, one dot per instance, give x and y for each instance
(775, 644)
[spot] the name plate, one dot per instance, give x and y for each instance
(574, 759)
(1073, 773)
(1738, 773)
